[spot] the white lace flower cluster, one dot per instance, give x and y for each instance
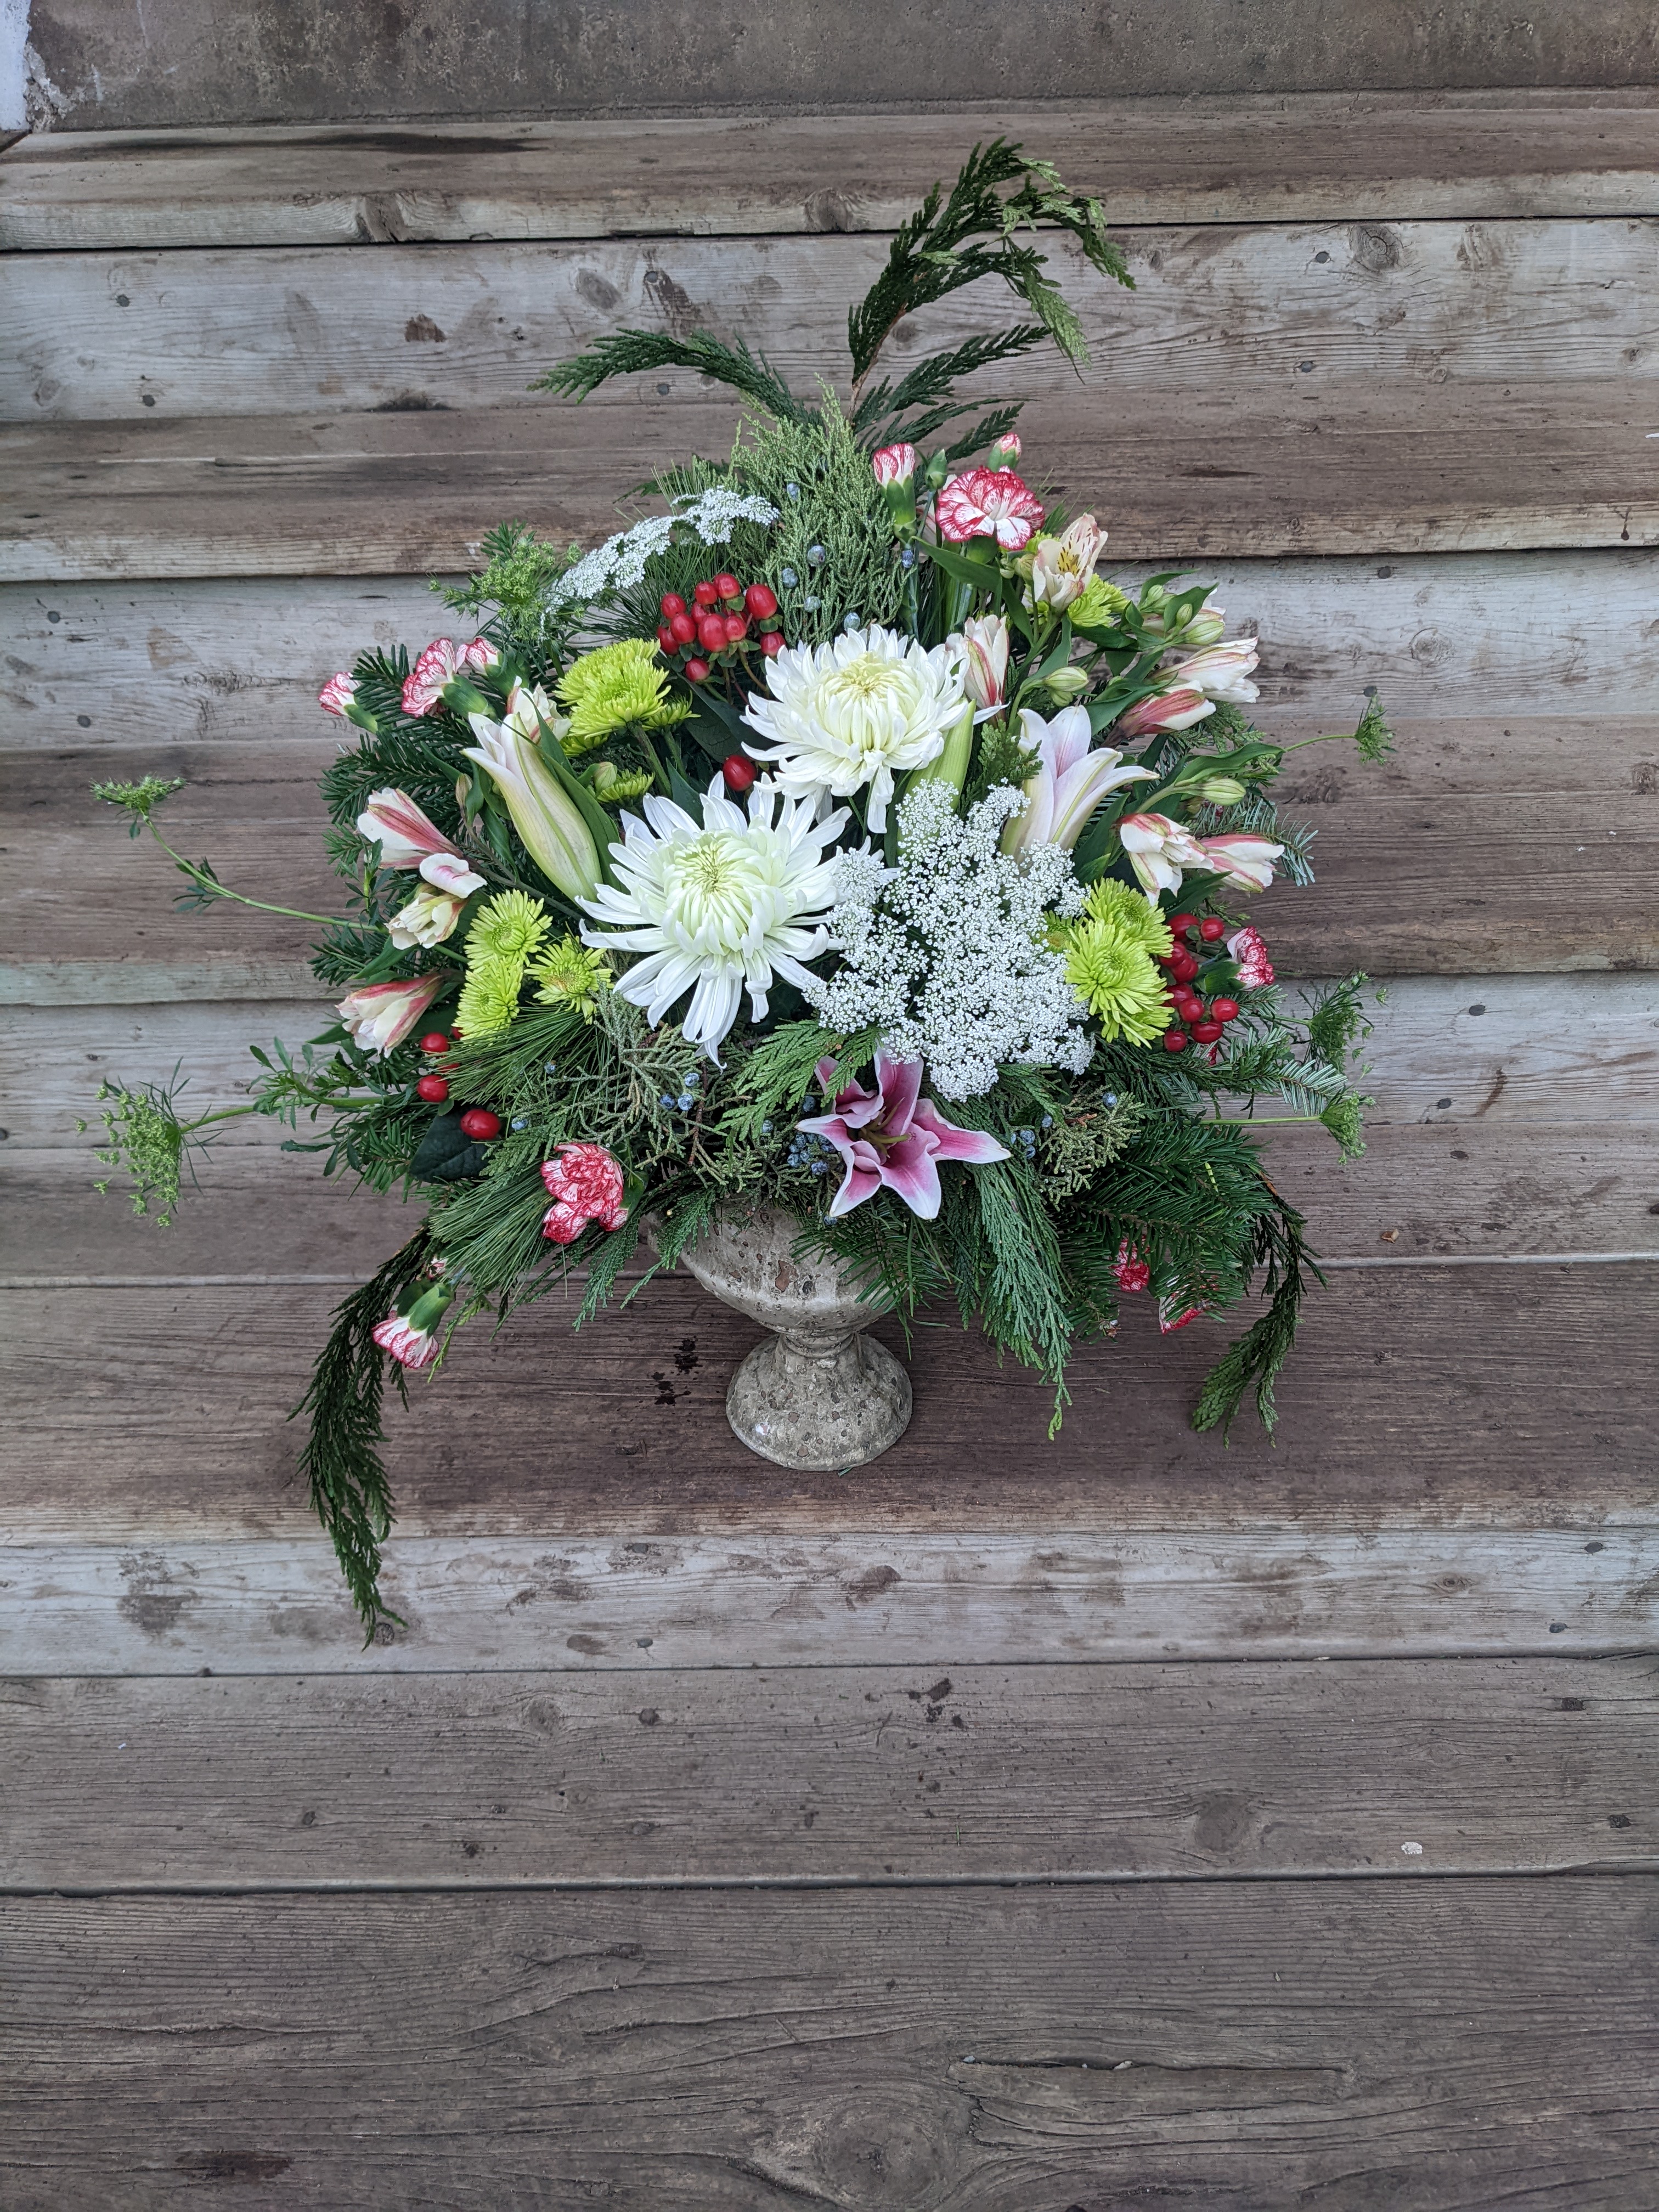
(944, 954)
(619, 563)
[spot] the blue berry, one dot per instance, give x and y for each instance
(521, 1123)
(850, 621)
(812, 606)
(819, 1167)
(815, 557)
(666, 1102)
(908, 557)
(1111, 1097)
(789, 580)
(550, 1067)
(692, 1079)
(686, 1102)
(792, 490)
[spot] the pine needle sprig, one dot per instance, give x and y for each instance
(1252, 1362)
(631, 353)
(340, 1461)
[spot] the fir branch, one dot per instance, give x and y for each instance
(1256, 1358)
(630, 353)
(340, 1461)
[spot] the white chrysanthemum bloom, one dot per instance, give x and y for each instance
(716, 910)
(855, 712)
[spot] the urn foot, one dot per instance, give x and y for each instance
(822, 1406)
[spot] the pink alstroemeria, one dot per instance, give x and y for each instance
(379, 1015)
(1160, 850)
(1177, 709)
(585, 1184)
(1222, 672)
(1248, 947)
(1069, 784)
(894, 463)
(1246, 862)
(988, 503)
(895, 1138)
(429, 917)
(1061, 566)
(408, 838)
(985, 658)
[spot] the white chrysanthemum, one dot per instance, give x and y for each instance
(857, 712)
(719, 909)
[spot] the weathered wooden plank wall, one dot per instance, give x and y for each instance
(1387, 375)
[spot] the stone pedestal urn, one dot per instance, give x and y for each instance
(818, 1392)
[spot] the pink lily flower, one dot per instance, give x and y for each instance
(408, 839)
(895, 1138)
(379, 1015)
(1069, 784)
(1159, 851)
(1246, 862)
(1176, 709)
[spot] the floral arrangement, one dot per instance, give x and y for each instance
(835, 838)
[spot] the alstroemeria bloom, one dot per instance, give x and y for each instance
(1061, 566)
(551, 826)
(441, 662)
(1176, 709)
(408, 838)
(585, 1184)
(894, 1137)
(379, 1015)
(985, 658)
(894, 463)
(1247, 862)
(1248, 947)
(988, 503)
(428, 919)
(1222, 672)
(1069, 784)
(1158, 850)
(337, 694)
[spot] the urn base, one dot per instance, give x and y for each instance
(821, 1408)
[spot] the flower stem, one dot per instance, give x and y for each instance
(210, 883)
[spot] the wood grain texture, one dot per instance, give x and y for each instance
(1423, 1397)
(1564, 637)
(1445, 2046)
(1403, 308)
(831, 1775)
(1354, 469)
(1250, 158)
(1479, 847)
(1468, 1190)
(1555, 1048)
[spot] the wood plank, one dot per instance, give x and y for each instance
(1349, 470)
(161, 1414)
(839, 1774)
(1457, 636)
(165, 1604)
(279, 331)
(1468, 1190)
(1248, 158)
(1564, 1049)
(1478, 2045)
(1479, 847)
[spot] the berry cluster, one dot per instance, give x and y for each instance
(1197, 1021)
(714, 629)
(691, 1084)
(477, 1122)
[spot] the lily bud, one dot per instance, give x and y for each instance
(985, 658)
(551, 825)
(950, 766)
(1065, 683)
(1221, 790)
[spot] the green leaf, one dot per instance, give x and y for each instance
(446, 1154)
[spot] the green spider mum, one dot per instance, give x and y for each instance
(617, 687)
(569, 974)
(1110, 953)
(507, 933)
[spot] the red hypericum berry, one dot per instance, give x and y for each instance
(1183, 967)
(1180, 924)
(666, 639)
(1212, 929)
(1224, 1010)
(711, 633)
(435, 1040)
(1206, 1032)
(727, 587)
(683, 626)
(736, 630)
(671, 605)
(480, 1124)
(433, 1089)
(697, 672)
(1174, 1040)
(772, 644)
(704, 594)
(760, 601)
(1190, 1010)
(739, 773)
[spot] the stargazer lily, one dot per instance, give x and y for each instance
(894, 1138)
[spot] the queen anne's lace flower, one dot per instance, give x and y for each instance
(620, 563)
(855, 712)
(945, 954)
(718, 909)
